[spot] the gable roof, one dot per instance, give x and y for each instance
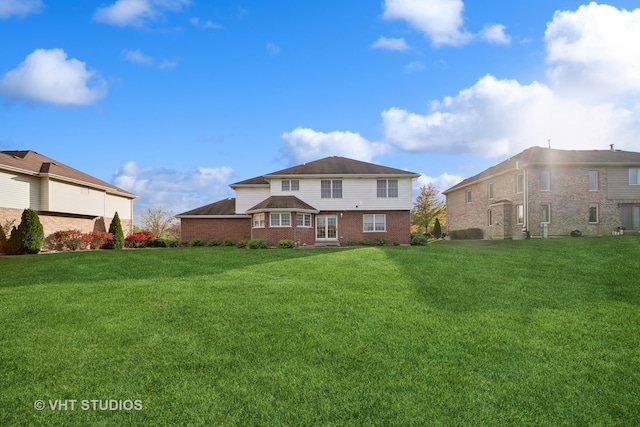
(339, 166)
(553, 157)
(225, 207)
(275, 203)
(32, 163)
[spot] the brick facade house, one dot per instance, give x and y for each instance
(549, 192)
(63, 197)
(325, 202)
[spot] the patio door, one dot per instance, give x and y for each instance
(327, 227)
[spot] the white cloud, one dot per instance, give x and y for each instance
(495, 34)
(47, 75)
(137, 56)
(594, 52)
(591, 101)
(390, 44)
(440, 20)
(136, 12)
(208, 24)
(303, 145)
(442, 182)
(414, 67)
(273, 49)
(499, 117)
(174, 190)
(9, 8)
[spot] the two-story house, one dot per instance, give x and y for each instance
(549, 192)
(326, 201)
(64, 198)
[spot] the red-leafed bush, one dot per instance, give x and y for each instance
(140, 240)
(98, 239)
(66, 240)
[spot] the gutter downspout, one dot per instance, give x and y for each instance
(526, 203)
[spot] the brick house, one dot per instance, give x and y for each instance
(550, 192)
(63, 197)
(324, 202)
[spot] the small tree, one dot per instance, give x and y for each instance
(437, 229)
(28, 238)
(427, 207)
(115, 228)
(159, 221)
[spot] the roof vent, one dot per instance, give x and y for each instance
(611, 145)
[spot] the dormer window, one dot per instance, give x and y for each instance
(290, 185)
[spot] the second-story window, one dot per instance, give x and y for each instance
(468, 196)
(331, 189)
(387, 188)
(545, 181)
(634, 176)
(520, 183)
(290, 185)
(593, 180)
(490, 190)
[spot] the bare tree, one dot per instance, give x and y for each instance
(159, 220)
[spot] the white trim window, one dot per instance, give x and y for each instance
(280, 220)
(489, 217)
(520, 183)
(331, 189)
(258, 220)
(593, 180)
(545, 181)
(387, 188)
(372, 223)
(303, 220)
(290, 185)
(469, 196)
(634, 176)
(519, 214)
(490, 190)
(593, 213)
(545, 213)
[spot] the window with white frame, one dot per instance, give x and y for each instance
(258, 220)
(593, 213)
(520, 183)
(468, 196)
(519, 214)
(374, 222)
(303, 220)
(634, 176)
(387, 188)
(489, 217)
(545, 213)
(490, 190)
(290, 185)
(280, 220)
(545, 181)
(331, 188)
(593, 180)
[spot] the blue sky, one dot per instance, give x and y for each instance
(176, 99)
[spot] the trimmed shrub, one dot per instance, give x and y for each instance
(213, 242)
(242, 243)
(115, 228)
(28, 238)
(380, 241)
(366, 242)
(286, 244)
(227, 242)
(437, 229)
(98, 239)
(196, 242)
(418, 239)
(165, 243)
(257, 244)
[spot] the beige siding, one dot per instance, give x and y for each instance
(64, 197)
(357, 193)
(19, 191)
(618, 184)
(122, 205)
(246, 198)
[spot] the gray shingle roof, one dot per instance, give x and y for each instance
(36, 164)
(282, 202)
(551, 156)
(222, 207)
(339, 166)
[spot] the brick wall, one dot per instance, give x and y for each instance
(53, 223)
(350, 224)
(218, 228)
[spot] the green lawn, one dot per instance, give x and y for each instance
(536, 332)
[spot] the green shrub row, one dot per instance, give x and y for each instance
(466, 234)
(381, 241)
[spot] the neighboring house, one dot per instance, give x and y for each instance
(326, 201)
(63, 197)
(550, 192)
